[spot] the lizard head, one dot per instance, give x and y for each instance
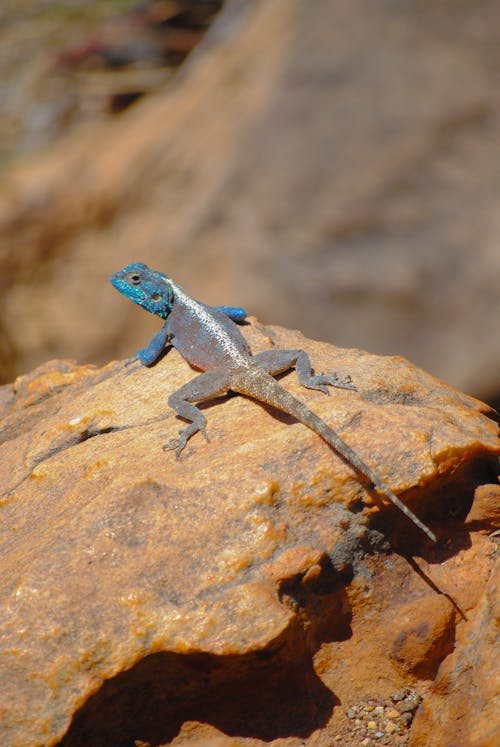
(149, 288)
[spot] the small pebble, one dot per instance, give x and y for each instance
(379, 709)
(371, 725)
(351, 713)
(406, 718)
(392, 713)
(391, 727)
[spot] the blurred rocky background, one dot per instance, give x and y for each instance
(332, 165)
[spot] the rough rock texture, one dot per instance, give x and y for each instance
(330, 165)
(472, 669)
(253, 591)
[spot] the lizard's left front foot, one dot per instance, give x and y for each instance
(341, 382)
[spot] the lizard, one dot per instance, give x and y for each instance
(208, 338)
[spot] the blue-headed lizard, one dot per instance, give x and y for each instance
(208, 338)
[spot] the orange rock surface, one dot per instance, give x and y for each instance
(255, 590)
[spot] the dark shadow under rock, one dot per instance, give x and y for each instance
(263, 694)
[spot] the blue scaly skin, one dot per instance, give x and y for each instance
(209, 340)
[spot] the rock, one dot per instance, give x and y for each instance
(421, 634)
(463, 704)
(485, 512)
(240, 593)
(296, 166)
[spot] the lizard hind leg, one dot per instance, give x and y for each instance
(205, 386)
(277, 361)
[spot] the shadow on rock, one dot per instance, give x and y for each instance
(264, 694)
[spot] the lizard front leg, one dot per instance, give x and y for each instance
(148, 356)
(205, 386)
(278, 361)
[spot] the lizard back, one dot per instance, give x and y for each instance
(204, 336)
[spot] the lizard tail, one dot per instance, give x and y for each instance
(259, 385)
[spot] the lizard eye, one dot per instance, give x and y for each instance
(134, 278)
(156, 296)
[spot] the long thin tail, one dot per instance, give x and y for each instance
(263, 387)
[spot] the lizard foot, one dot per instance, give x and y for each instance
(321, 382)
(178, 444)
(341, 382)
(175, 444)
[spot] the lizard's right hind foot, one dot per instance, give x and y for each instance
(321, 382)
(341, 382)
